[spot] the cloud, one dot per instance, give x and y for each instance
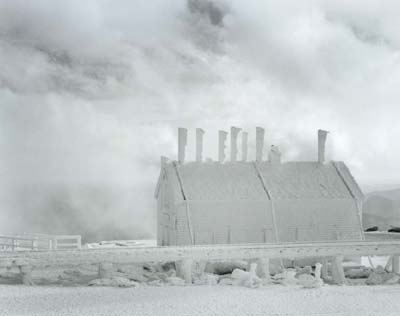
(91, 94)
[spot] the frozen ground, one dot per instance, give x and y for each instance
(200, 300)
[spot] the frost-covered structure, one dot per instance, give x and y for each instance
(254, 202)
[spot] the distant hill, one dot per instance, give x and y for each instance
(382, 209)
(393, 194)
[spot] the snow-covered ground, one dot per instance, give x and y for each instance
(199, 300)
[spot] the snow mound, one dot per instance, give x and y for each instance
(206, 279)
(114, 282)
(173, 280)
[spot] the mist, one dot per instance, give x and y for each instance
(92, 93)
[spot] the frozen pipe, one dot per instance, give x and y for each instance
(221, 145)
(321, 145)
(199, 144)
(244, 146)
(259, 143)
(234, 135)
(182, 141)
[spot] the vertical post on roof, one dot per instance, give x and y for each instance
(199, 144)
(182, 142)
(234, 135)
(244, 146)
(321, 145)
(221, 145)
(259, 143)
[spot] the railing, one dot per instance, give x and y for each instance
(67, 242)
(29, 241)
(201, 252)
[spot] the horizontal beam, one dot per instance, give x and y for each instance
(200, 252)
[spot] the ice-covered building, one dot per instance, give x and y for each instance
(207, 202)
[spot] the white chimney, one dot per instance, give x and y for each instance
(182, 141)
(221, 145)
(199, 144)
(234, 135)
(244, 146)
(321, 145)
(274, 156)
(259, 143)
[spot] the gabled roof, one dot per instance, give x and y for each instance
(213, 181)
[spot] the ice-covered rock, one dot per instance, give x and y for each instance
(305, 270)
(287, 277)
(132, 272)
(206, 279)
(225, 267)
(156, 283)
(309, 281)
(155, 275)
(226, 281)
(173, 280)
(379, 276)
(393, 280)
(358, 273)
(114, 282)
(246, 278)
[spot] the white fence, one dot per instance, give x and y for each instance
(28, 241)
(203, 252)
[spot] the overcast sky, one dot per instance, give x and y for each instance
(92, 92)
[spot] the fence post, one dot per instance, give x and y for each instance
(229, 235)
